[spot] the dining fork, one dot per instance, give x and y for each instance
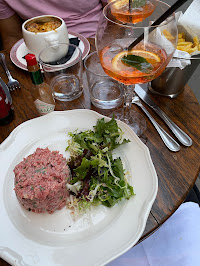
(13, 84)
(167, 139)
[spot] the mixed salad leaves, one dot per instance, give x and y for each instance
(96, 177)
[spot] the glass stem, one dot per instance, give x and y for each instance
(128, 95)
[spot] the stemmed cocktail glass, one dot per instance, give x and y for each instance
(133, 11)
(140, 63)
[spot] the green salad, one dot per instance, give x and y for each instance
(96, 177)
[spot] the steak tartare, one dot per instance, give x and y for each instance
(40, 181)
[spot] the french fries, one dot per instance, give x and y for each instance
(168, 35)
(184, 45)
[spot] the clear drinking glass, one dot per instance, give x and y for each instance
(105, 92)
(63, 68)
(140, 63)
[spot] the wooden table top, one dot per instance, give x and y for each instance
(177, 172)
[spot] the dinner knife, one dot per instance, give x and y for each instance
(179, 133)
(171, 144)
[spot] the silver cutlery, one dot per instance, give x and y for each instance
(167, 139)
(13, 84)
(140, 90)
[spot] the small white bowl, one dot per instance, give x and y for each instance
(36, 42)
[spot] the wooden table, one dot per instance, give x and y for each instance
(177, 172)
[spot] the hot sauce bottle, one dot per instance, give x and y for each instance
(41, 93)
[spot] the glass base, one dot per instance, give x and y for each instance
(135, 120)
(106, 94)
(66, 87)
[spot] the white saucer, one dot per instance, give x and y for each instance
(19, 50)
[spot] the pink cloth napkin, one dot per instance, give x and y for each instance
(175, 243)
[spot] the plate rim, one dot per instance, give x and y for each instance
(10, 139)
(15, 47)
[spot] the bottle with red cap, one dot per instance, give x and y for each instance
(41, 93)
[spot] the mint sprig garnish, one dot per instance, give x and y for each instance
(138, 3)
(138, 62)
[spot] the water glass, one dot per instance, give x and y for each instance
(63, 68)
(105, 92)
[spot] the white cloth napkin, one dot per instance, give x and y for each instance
(176, 242)
(180, 63)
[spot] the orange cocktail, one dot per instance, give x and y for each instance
(151, 60)
(151, 50)
(123, 13)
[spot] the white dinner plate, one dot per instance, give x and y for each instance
(97, 237)
(19, 50)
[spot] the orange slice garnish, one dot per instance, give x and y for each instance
(151, 58)
(120, 4)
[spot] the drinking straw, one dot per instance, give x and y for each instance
(129, 5)
(165, 15)
(129, 8)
